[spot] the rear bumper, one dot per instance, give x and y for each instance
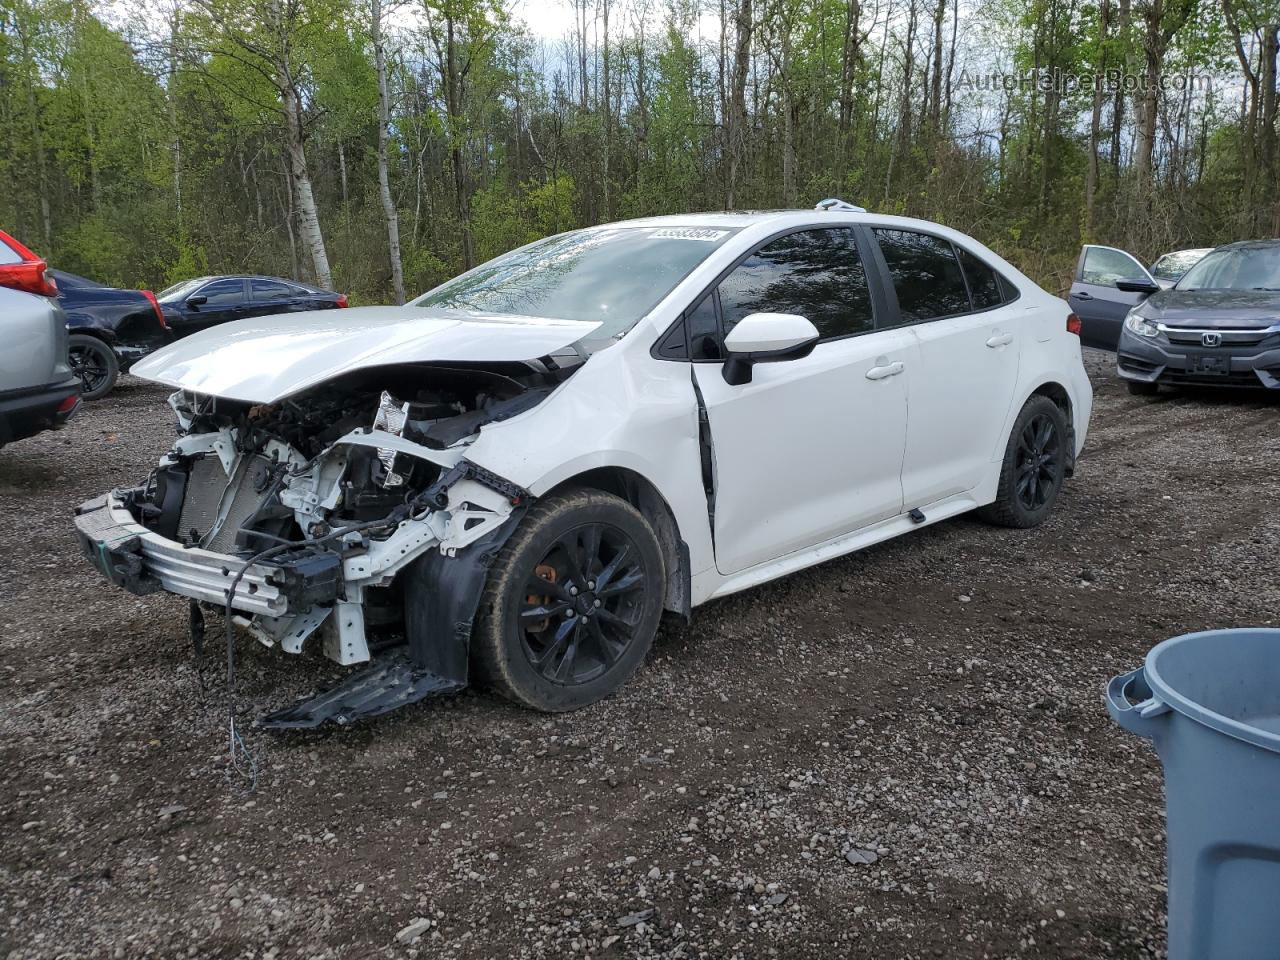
(1155, 361)
(24, 413)
(141, 561)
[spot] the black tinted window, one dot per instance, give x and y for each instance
(925, 274)
(273, 290)
(704, 330)
(223, 293)
(815, 273)
(984, 289)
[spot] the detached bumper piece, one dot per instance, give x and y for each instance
(383, 686)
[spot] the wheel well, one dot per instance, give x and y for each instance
(1058, 394)
(644, 496)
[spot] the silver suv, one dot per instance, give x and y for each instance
(38, 391)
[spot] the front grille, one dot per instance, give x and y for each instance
(206, 497)
(1230, 338)
(1241, 378)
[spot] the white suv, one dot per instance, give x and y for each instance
(521, 469)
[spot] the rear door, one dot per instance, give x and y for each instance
(810, 449)
(268, 296)
(1095, 298)
(970, 336)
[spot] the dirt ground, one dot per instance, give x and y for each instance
(934, 700)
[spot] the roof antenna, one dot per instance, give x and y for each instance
(836, 205)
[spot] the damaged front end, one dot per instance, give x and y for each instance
(347, 516)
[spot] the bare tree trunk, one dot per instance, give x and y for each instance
(1095, 121)
(1270, 43)
(308, 214)
(738, 98)
(176, 142)
(37, 137)
(384, 177)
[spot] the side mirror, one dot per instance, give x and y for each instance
(766, 338)
(197, 300)
(1137, 286)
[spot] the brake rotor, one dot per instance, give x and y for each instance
(547, 572)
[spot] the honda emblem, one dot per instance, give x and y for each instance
(1211, 339)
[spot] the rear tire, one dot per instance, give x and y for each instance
(572, 603)
(94, 363)
(1140, 389)
(1034, 466)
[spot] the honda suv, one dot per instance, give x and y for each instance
(38, 390)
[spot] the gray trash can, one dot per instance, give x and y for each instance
(1210, 702)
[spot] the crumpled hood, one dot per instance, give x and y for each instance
(1207, 309)
(264, 359)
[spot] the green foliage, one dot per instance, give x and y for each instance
(159, 149)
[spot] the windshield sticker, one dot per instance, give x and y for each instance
(689, 233)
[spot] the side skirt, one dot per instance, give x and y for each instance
(848, 543)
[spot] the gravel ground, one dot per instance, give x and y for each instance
(899, 754)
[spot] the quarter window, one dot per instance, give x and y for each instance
(984, 289)
(223, 293)
(817, 274)
(926, 275)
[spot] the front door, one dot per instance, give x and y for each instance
(1095, 298)
(810, 449)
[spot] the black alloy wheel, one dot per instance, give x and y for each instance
(572, 602)
(94, 363)
(1039, 465)
(583, 606)
(1035, 465)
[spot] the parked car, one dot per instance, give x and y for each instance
(38, 390)
(1218, 326)
(111, 329)
(207, 301)
(1169, 268)
(522, 468)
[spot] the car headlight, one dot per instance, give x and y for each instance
(1140, 325)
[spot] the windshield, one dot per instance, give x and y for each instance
(1173, 265)
(1239, 268)
(186, 286)
(613, 275)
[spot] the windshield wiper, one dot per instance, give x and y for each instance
(1268, 289)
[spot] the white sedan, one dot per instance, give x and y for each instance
(516, 473)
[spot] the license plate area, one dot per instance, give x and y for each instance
(1209, 366)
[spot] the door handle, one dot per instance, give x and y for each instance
(888, 370)
(1000, 340)
(1082, 295)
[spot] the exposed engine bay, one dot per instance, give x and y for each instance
(347, 513)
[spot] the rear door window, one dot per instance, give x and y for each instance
(926, 275)
(273, 290)
(818, 274)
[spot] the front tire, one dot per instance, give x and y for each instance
(572, 603)
(1034, 467)
(94, 363)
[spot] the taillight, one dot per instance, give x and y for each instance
(69, 403)
(155, 305)
(28, 275)
(342, 299)
(1073, 324)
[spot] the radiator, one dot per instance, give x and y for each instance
(208, 493)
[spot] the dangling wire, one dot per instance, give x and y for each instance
(242, 762)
